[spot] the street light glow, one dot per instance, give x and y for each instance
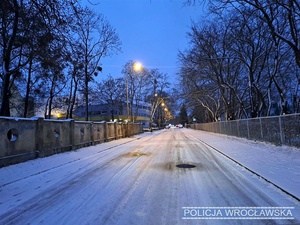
(137, 66)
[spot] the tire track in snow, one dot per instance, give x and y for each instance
(72, 161)
(76, 181)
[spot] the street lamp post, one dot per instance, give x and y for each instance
(127, 97)
(137, 66)
(159, 101)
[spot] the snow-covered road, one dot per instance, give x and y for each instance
(136, 181)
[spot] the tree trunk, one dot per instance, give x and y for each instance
(50, 106)
(69, 100)
(51, 96)
(297, 56)
(112, 115)
(27, 90)
(7, 49)
(5, 110)
(86, 101)
(73, 98)
(86, 83)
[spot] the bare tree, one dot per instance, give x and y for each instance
(111, 91)
(197, 89)
(24, 24)
(245, 64)
(74, 58)
(10, 22)
(136, 82)
(97, 39)
(278, 21)
(211, 67)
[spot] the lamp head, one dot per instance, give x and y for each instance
(137, 66)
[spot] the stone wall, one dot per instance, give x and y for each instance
(24, 139)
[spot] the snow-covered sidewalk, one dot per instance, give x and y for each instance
(278, 164)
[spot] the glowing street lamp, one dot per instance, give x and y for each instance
(137, 66)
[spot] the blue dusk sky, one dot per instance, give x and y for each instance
(151, 31)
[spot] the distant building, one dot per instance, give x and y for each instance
(104, 112)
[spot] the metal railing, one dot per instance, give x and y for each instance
(278, 130)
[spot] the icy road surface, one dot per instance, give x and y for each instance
(135, 181)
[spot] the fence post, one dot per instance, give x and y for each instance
(92, 133)
(281, 131)
(105, 131)
(248, 131)
(126, 130)
(39, 134)
(116, 131)
(261, 129)
(72, 134)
